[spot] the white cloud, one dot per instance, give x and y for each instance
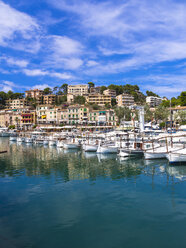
(63, 53)
(148, 32)
(6, 86)
(40, 86)
(14, 61)
(65, 46)
(17, 25)
(38, 72)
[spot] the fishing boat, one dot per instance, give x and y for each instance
(107, 148)
(91, 147)
(178, 156)
(70, 145)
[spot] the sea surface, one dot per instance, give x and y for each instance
(51, 198)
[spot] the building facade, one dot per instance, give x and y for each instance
(35, 94)
(99, 99)
(125, 100)
(109, 92)
(49, 99)
(17, 103)
(78, 90)
(153, 101)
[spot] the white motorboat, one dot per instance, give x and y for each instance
(20, 139)
(178, 156)
(160, 152)
(90, 147)
(71, 145)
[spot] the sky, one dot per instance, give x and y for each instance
(45, 43)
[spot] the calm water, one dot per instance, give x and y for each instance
(54, 198)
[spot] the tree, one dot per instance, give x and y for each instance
(117, 88)
(95, 107)
(150, 93)
(180, 117)
(79, 99)
(182, 98)
(107, 105)
(90, 85)
(161, 114)
(61, 99)
(102, 88)
(64, 88)
(47, 91)
(148, 114)
(119, 113)
(55, 89)
(113, 102)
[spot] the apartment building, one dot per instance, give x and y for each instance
(35, 94)
(17, 103)
(95, 90)
(49, 99)
(153, 101)
(78, 90)
(9, 118)
(62, 117)
(125, 100)
(41, 112)
(103, 118)
(28, 118)
(99, 99)
(77, 114)
(109, 92)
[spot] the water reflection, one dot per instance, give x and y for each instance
(75, 164)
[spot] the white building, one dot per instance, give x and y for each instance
(78, 90)
(153, 101)
(125, 100)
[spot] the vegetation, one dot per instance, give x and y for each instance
(47, 91)
(79, 99)
(11, 127)
(9, 95)
(161, 114)
(123, 113)
(150, 93)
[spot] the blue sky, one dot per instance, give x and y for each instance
(51, 42)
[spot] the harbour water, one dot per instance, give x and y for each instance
(50, 197)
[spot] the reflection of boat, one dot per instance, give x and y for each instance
(52, 143)
(104, 156)
(13, 138)
(177, 171)
(89, 154)
(28, 140)
(20, 139)
(59, 143)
